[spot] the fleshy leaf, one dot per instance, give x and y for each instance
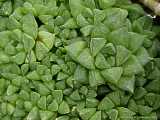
(115, 97)
(95, 78)
(47, 38)
(42, 103)
(115, 17)
(28, 42)
(122, 55)
(127, 83)
(53, 106)
(125, 113)
(101, 62)
(96, 116)
(64, 108)
(106, 104)
(58, 95)
(33, 75)
(143, 56)
(144, 110)
(82, 21)
(33, 114)
(29, 25)
(75, 96)
(19, 58)
(136, 41)
(41, 50)
(46, 115)
(132, 66)
(81, 74)
(74, 5)
(75, 49)
(86, 30)
(113, 74)
(113, 114)
(96, 45)
(70, 24)
(85, 59)
(106, 3)
(87, 113)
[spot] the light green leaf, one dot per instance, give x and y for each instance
(106, 3)
(125, 113)
(81, 74)
(100, 62)
(23, 94)
(85, 59)
(100, 31)
(28, 42)
(31, 57)
(143, 56)
(33, 114)
(19, 58)
(113, 74)
(75, 96)
(132, 66)
(115, 97)
(132, 105)
(45, 18)
(58, 95)
(135, 41)
(106, 104)
(113, 114)
(35, 97)
(2, 85)
(119, 37)
(29, 25)
(47, 38)
(70, 24)
(62, 76)
(122, 55)
(11, 89)
(99, 16)
(41, 50)
(115, 17)
(87, 113)
(74, 5)
(96, 116)
(4, 58)
(127, 83)
(65, 117)
(28, 105)
(91, 102)
(86, 30)
(82, 21)
(33, 75)
(64, 108)
(95, 78)
(46, 115)
(55, 69)
(43, 90)
(10, 108)
(75, 49)
(6, 8)
(42, 103)
(53, 106)
(96, 45)
(108, 49)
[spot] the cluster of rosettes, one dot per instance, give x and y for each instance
(78, 60)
